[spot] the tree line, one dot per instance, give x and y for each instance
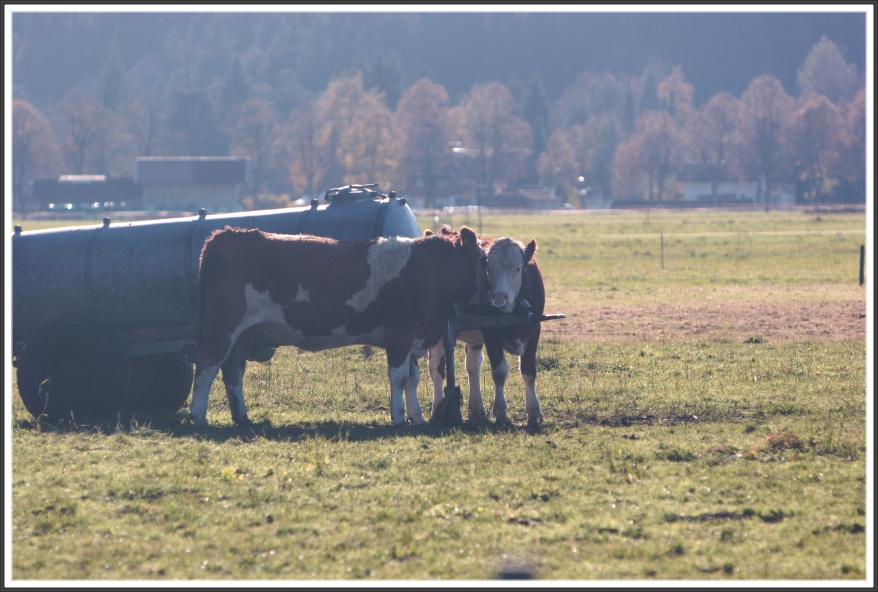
(633, 137)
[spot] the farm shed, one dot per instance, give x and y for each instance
(191, 182)
(82, 192)
(536, 198)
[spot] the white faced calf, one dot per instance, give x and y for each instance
(515, 284)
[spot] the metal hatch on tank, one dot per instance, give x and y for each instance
(105, 317)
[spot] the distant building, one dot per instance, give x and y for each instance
(593, 198)
(191, 182)
(533, 198)
(732, 193)
(728, 193)
(85, 192)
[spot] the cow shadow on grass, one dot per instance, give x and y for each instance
(347, 432)
(177, 424)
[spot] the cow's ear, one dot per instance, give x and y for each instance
(428, 232)
(530, 249)
(469, 237)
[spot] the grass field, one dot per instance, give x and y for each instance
(706, 419)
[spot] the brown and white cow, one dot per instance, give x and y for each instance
(318, 293)
(515, 284)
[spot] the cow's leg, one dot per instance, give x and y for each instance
(436, 366)
(528, 367)
(474, 359)
(412, 405)
(206, 370)
(499, 372)
(398, 370)
(211, 356)
(233, 377)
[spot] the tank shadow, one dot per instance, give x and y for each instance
(176, 425)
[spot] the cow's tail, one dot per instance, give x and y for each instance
(208, 264)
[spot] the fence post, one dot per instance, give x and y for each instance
(663, 248)
(862, 263)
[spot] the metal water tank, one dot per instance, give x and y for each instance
(106, 317)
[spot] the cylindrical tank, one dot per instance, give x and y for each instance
(101, 309)
(142, 276)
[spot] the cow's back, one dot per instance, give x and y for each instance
(329, 292)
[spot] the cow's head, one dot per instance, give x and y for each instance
(476, 258)
(474, 286)
(506, 271)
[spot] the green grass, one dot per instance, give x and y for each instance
(672, 460)
(619, 257)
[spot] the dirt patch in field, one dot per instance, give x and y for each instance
(771, 322)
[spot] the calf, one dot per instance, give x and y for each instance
(514, 283)
(262, 289)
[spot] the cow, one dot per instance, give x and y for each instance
(514, 284)
(262, 289)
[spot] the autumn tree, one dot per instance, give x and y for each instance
(500, 140)
(591, 93)
(653, 151)
(146, 122)
(628, 173)
(424, 133)
(826, 72)
(34, 148)
(84, 127)
(816, 144)
(592, 111)
(600, 138)
(536, 110)
(715, 133)
(307, 154)
(766, 109)
(369, 152)
(852, 169)
(558, 164)
(254, 132)
(675, 95)
(335, 111)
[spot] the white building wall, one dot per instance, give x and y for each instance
(189, 197)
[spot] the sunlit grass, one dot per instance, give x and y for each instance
(683, 459)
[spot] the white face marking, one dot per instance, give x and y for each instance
(302, 295)
(505, 263)
(386, 259)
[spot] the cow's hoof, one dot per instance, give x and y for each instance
(243, 423)
(417, 421)
(502, 420)
(195, 421)
(479, 417)
(534, 422)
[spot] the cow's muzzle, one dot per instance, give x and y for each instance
(501, 300)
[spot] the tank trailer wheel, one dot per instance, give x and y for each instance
(71, 367)
(159, 382)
